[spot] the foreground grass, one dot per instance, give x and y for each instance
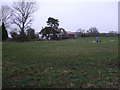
(68, 63)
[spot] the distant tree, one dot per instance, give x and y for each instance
(112, 33)
(22, 16)
(4, 32)
(80, 32)
(31, 33)
(93, 31)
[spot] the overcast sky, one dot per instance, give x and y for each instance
(74, 14)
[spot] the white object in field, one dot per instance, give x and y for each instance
(94, 41)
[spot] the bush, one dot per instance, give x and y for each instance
(19, 37)
(23, 37)
(14, 35)
(31, 33)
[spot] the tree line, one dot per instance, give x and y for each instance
(18, 18)
(93, 32)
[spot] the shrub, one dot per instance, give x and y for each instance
(14, 35)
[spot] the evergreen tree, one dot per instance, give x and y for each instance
(0, 33)
(4, 32)
(53, 23)
(50, 31)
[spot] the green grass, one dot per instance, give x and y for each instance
(70, 63)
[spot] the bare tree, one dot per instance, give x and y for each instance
(112, 33)
(6, 15)
(22, 15)
(93, 31)
(80, 32)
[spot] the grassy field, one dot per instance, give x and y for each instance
(70, 63)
